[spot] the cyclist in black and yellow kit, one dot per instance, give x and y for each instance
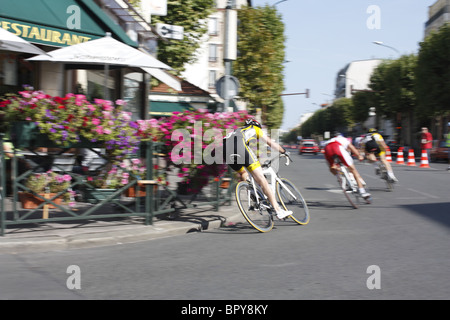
(374, 146)
(238, 155)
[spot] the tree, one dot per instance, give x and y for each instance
(362, 102)
(337, 117)
(433, 74)
(259, 66)
(394, 96)
(190, 15)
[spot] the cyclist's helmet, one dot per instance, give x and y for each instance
(336, 134)
(372, 130)
(253, 122)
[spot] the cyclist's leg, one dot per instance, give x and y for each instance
(258, 175)
(388, 166)
(347, 160)
(330, 152)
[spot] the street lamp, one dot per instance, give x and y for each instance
(279, 2)
(380, 43)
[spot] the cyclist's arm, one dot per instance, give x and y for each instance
(273, 144)
(355, 151)
(383, 144)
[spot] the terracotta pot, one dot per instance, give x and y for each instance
(30, 201)
(131, 192)
(225, 185)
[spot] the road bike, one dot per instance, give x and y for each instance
(348, 184)
(255, 206)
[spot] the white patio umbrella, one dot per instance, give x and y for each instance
(104, 51)
(11, 42)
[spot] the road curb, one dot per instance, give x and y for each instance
(123, 234)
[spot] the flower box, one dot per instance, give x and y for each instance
(94, 196)
(31, 201)
(25, 134)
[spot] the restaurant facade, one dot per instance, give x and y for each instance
(52, 24)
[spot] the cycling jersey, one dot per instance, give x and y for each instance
(372, 143)
(237, 153)
(338, 147)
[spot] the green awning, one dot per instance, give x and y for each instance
(163, 108)
(58, 23)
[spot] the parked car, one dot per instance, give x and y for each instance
(308, 146)
(439, 151)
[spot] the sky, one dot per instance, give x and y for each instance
(323, 36)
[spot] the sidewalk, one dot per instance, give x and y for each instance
(93, 233)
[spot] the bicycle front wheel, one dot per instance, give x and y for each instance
(291, 199)
(252, 211)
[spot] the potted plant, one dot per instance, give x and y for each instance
(113, 178)
(47, 185)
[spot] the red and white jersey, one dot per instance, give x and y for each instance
(344, 142)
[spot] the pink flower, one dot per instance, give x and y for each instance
(99, 129)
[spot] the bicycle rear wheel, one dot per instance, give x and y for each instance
(291, 199)
(258, 218)
(346, 187)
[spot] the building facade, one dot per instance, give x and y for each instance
(51, 24)
(438, 15)
(210, 65)
(355, 76)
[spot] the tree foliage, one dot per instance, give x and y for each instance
(433, 74)
(259, 66)
(362, 102)
(190, 15)
(393, 83)
(337, 117)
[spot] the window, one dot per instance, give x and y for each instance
(213, 24)
(213, 52)
(212, 78)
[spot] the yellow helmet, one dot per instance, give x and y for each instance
(372, 130)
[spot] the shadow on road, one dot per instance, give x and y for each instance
(437, 212)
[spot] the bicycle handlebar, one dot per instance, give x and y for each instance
(288, 157)
(286, 154)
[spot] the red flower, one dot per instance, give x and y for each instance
(59, 100)
(4, 103)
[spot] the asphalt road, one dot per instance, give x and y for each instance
(395, 248)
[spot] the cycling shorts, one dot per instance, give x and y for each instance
(237, 154)
(335, 149)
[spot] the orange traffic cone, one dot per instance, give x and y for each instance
(424, 160)
(400, 156)
(411, 159)
(388, 155)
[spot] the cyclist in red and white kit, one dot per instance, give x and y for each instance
(339, 146)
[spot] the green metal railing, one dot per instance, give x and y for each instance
(155, 202)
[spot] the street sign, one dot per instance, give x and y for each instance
(170, 31)
(233, 87)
